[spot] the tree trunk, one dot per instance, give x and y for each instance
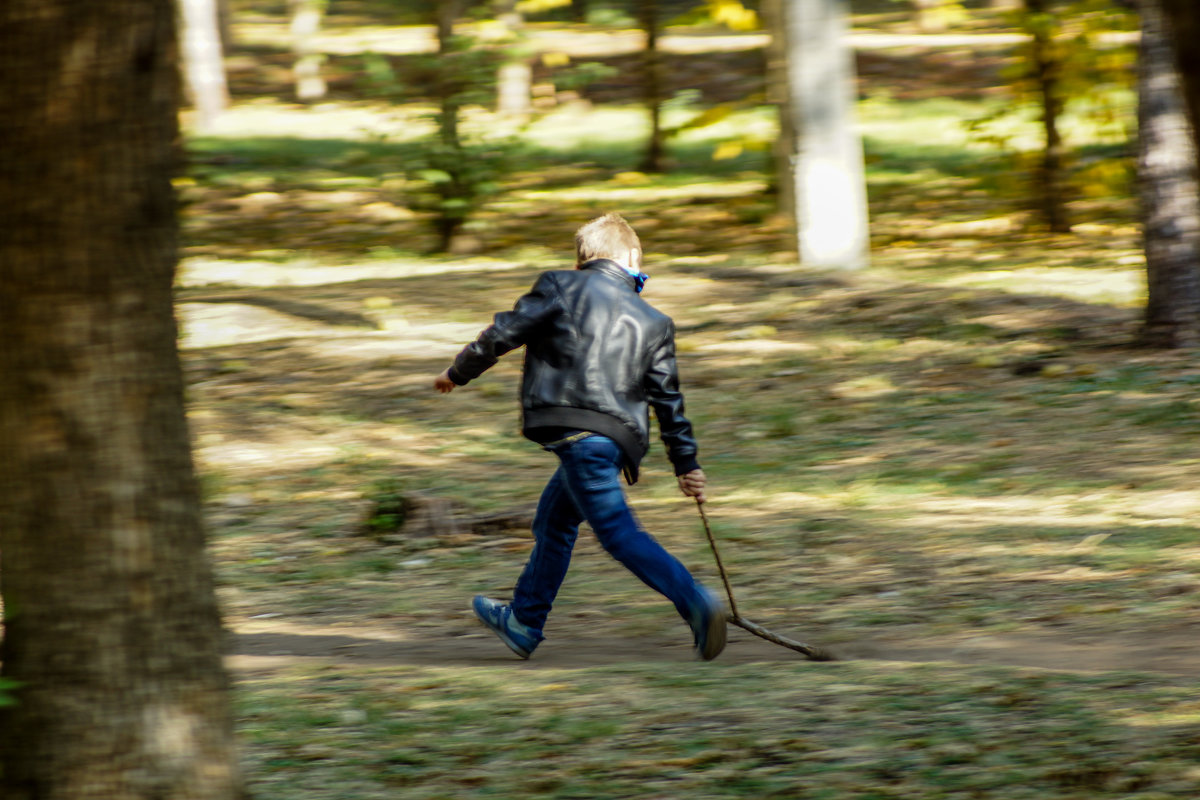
(1169, 192)
(514, 80)
(828, 175)
(203, 61)
(306, 22)
(1046, 66)
(783, 150)
(450, 87)
(449, 83)
(652, 69)
(1183, 27)
(111, 625)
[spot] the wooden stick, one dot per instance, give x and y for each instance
(810, 652)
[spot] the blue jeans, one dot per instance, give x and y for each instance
(587, 486)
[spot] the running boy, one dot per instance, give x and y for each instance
(597, 359)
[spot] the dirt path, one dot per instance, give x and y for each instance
(1177, 653)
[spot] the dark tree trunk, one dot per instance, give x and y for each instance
(111, 625)
(1047, 67)
(450, 90)
(1169, 193)
(1183, 27)
(783, 150)
(652, 77)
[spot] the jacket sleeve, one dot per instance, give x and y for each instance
(508, 331)
(664, 396)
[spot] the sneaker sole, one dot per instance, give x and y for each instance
(714, 635)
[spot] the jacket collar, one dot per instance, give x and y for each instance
(611, 268)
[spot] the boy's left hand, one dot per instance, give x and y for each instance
(692, 484)
(443, 383)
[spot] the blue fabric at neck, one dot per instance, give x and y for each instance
(639, 277)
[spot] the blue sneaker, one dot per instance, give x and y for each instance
(708, 625)
(498, 617)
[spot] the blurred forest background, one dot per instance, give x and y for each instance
(959, 453)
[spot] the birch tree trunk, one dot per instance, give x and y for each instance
(1170, 197)
(514, 79)
(306, 22)
(111, 625)
(203, 61)
(828, 173)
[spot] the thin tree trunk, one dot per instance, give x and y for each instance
(111, 624)
(450, 101)
(306, 22)
(784, 148)
(203, 61)
(514, 81)
(829, 175)
(652, 76)
(1169, 192)
(449, 83)
(1047, 68)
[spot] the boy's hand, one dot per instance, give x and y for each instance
(443, 383)
(692, 484)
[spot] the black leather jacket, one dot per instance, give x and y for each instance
(597, 358)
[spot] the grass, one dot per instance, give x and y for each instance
(939, 732)
(958, 446)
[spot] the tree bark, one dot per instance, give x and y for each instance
(111, 624)
(1170, 197)
(306, 22)
(652, 77)
(783, 150)
(1046, 66)
(203, 61)
(1183, 28)
(514, 79)
(828, 173)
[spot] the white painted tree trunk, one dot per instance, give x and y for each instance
(306, 22)
(828, 172)
(203, 60)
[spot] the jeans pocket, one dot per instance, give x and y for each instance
(595, 463)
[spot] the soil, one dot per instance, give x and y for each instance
(265, 650)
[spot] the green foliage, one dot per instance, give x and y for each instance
(452, 171)
(449, 181)
(389, 508)
(1092, 82)
(7, 687)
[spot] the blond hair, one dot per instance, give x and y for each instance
(609, 237)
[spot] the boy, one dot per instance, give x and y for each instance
(597, 358)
